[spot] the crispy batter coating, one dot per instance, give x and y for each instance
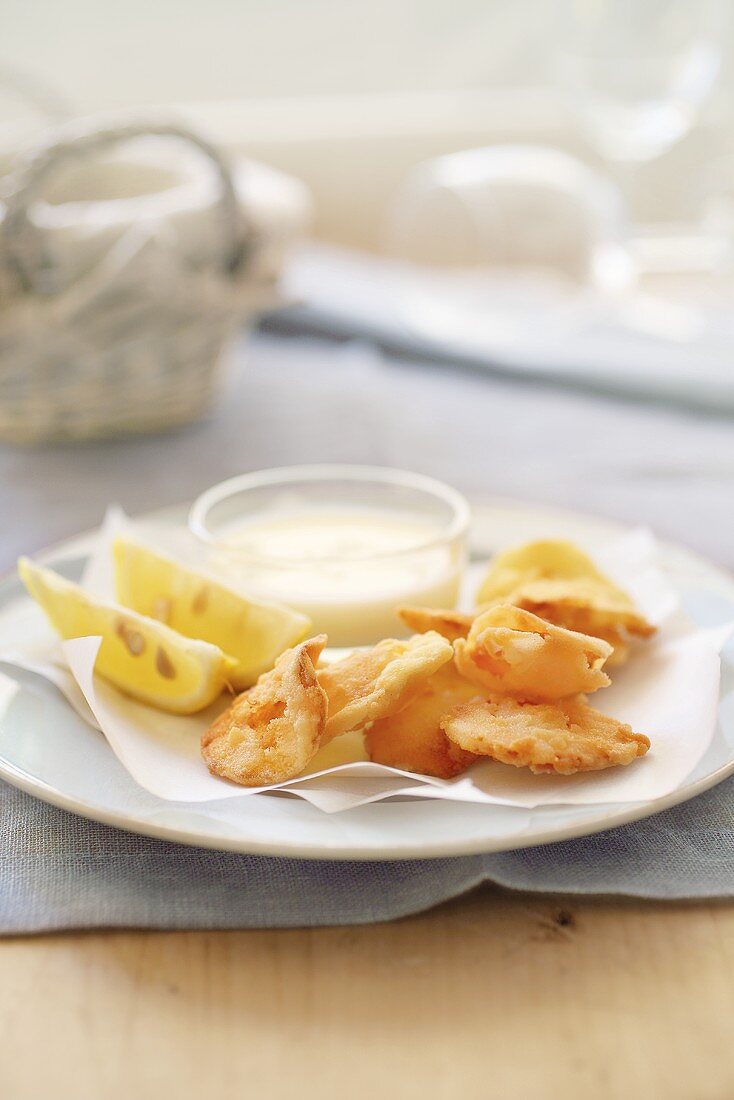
(449, 624)
(270, 732)
(562, 738)
(370, 684)
(621, 645)
(513, 652)
(413, 739)
(582, 600)
(554, 559)
(556, 580)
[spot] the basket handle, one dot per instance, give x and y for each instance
(74, 142)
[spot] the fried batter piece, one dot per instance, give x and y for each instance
(413, 739)
(556, 580)
(586, 605)
(270, 732)
(546, 559)
(512, 652)
(562, 738)
(449, 624)
(371, 684)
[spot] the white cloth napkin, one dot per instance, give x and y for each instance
(642, 342)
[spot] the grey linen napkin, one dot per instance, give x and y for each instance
(59, 871)
(311, 401)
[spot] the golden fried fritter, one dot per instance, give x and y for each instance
(563, 737)
(621, 645)
(546, 559)
(413, 739)
(556, 580)
(449, 624)
(370, 684)
(585, 606)
(270, 732)
(513, 652)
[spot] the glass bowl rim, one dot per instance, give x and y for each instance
(283, 475)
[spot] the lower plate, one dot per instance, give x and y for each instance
(46, 750)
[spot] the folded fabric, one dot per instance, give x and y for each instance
(641, 344)
(59, 871)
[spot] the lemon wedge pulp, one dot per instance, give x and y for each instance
(140, 656)
(252, 631)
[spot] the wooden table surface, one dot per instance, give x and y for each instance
(496, 995)
(493, 995)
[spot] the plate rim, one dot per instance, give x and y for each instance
(457, 847)
(15, 777)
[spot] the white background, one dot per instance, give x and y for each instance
(106, 54)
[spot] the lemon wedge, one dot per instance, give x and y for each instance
(140, 656)
(251, 631)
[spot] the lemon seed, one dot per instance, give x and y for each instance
(164, 664)
(200, 601)
(135, 642)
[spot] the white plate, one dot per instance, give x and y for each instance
(50, 753)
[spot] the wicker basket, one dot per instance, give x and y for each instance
(136, 344)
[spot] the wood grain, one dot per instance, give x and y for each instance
(496, 995)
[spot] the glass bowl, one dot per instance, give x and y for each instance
(345, 545)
